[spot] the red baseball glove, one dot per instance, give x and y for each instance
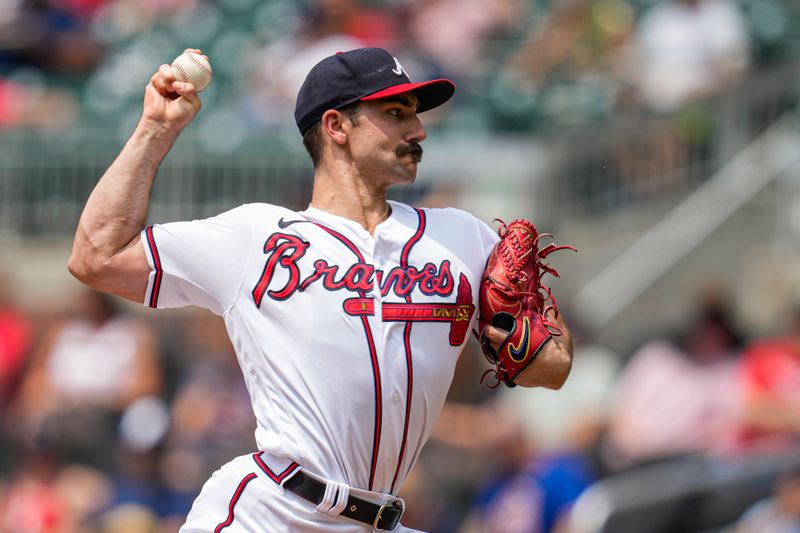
(513, 298)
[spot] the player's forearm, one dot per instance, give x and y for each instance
(116, 211)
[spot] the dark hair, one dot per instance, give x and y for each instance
(312, 138)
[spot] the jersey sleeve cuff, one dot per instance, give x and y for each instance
(156, 270)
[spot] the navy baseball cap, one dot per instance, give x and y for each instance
(362, 74)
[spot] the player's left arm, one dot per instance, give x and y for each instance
(552, 365)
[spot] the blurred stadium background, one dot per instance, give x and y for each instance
(659, 137)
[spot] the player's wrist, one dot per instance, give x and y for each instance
(156, 133)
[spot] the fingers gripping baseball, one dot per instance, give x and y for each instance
(169, 102)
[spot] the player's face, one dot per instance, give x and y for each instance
(384, 141)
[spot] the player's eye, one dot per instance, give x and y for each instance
(394, 112)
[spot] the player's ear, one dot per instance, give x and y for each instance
(333, 125)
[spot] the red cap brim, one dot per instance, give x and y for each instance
(431, 93)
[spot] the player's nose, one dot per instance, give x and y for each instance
(416, 132)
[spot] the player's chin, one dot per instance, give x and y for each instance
(405, 181)
(403, 173)
(406, 175)
(411, 165)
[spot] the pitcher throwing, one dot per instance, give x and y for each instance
(347, 318)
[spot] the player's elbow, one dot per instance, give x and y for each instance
(80, 268)
(86, 267)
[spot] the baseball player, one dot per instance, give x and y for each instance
(347, 318)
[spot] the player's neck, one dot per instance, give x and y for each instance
(348, 197)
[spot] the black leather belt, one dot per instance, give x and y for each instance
(379, 516)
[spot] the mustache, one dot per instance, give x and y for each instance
(413, 148)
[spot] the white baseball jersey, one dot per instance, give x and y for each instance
(347, 341)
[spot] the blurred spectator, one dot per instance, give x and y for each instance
(138, 482)
(131, 518)
(777, 514)
(31, 501)
(566, 69)
(15, 342)
(87, 371)
(44, 496)
(430, 504)
(486, 431)
(770, 379)
(370, 24)
(575, 38)
(281, 67)
(49, 34)
(278, 75)
(535, 499)
(211, 412)
(580, 410)
(136, 478)
(210, 420)
(528, 490)
(39, 107)
(454, 33)
(685, 50)
(679, 398)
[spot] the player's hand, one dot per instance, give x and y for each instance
(497, 335)
(552, 363)
(168, 103)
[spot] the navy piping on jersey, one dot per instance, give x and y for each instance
(151, 243)
(407, 342)
(277, 478)
(376, 373)
(234, 500)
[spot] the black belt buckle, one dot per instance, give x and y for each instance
(388, 516)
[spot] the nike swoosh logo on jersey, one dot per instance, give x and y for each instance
(283, 224)
(519, 353)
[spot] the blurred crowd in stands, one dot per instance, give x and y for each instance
(110, 419)
(519, 64)
(644, 81)
(111, 422)
(646, 98)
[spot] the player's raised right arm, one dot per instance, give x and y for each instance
(107, 254)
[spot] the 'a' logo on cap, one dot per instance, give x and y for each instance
(399, 70)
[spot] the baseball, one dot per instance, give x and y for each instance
(193, 68)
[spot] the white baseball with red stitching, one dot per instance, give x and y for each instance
(193, 68)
